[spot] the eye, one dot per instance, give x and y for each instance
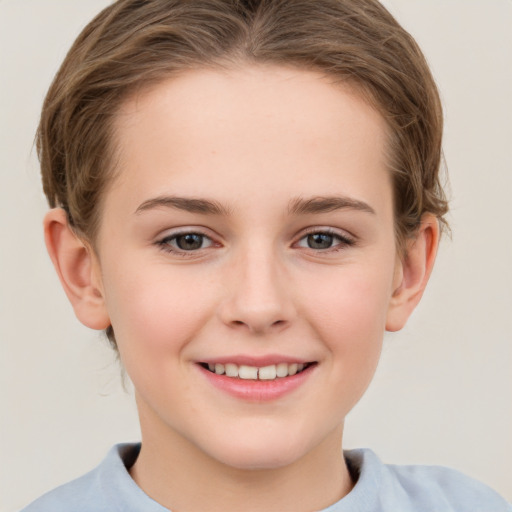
(185, 242)
(324, 240)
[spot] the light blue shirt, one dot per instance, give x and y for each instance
(379, 488)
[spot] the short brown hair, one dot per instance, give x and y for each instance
(134, 43)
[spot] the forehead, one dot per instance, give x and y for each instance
(287, 132)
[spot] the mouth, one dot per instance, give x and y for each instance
(257, 381)
(257, 373)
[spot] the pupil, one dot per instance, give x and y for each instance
(320, 241)
(189, 241)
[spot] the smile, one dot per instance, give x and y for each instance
(245, 372)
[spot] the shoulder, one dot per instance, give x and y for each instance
(80, 495)
(101, 490)
(447, 488)
(421, 488)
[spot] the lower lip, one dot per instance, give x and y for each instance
(258, 390)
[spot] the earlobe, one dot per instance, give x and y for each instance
(77, 268)
(413, 273)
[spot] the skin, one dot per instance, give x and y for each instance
(257, 143)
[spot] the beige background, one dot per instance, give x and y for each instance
(443, 392)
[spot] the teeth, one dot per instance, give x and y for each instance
(232, 370)
(270, 372)
(282, 370)
(248, 372)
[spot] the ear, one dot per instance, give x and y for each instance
(412, 273)
(78, 270)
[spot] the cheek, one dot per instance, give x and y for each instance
(351, 303)
(156, 310)
(349, 316)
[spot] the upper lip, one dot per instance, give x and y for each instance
(257, 361)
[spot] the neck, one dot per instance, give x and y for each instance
(181, 477)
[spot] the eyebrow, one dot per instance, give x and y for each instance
(297, 206)
(192, 205)
(324, 204)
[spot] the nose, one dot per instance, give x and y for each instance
(257, 294)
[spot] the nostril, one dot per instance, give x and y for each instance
(255, 327)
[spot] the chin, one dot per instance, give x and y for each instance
(265, 452)
(249, 460)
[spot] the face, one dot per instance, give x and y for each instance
(249, 232)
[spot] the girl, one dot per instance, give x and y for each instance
(245, 196)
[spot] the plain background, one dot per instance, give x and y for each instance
(443, 392)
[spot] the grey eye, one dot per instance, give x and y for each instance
(324, 240)
(189, 241)
(185, 242)
(319, 240)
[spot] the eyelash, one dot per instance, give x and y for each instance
(344, 240)
(164, 244)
